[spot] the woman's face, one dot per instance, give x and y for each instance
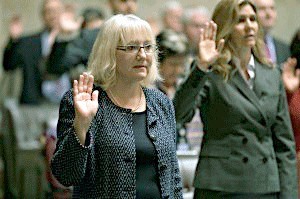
(245, 31)
(172, 68)
(134, 59)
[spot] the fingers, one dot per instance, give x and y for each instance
(220, 45)
(75, 88)
(209, 31)
(206, 31)
(95, 95)
(212, 30)
(90, 84)
(201, 35)
(289, 65)
(85, 84)
(298, 73)
(80, 84)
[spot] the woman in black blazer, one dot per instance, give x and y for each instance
(248, 148)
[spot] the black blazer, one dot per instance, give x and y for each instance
(27, 54)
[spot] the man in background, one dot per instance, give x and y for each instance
(171, 16)
(276, 50)
(30, 52)
(71, 53)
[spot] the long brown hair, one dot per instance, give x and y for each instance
(226, 16)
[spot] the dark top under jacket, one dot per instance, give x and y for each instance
(106, 166)
(147, 182)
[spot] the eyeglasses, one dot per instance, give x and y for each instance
(148, 48)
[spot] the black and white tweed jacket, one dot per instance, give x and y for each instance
(105, 166)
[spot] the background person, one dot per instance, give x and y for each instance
(276, 50)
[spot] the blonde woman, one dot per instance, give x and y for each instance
(116, 137)
(248, 149)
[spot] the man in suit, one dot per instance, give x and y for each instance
(29, 52)
(276, 50)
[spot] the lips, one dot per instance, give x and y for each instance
(140, 66)
(249, 36)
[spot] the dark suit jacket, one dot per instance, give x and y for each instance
(282, 51)
(248, 144)
(66, 55)
(27, 54)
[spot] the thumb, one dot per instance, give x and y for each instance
(298, 73)
(95, 95)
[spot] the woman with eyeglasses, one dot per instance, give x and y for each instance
(116, 136)
(248, 148)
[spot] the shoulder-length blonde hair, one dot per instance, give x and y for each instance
(226, 17)
(119, 30)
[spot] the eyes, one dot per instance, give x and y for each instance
(148, 48)
(243, 19)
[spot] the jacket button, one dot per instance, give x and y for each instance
(265, 160)
(245, 159)
(245, 140)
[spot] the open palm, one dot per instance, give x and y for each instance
(209, 50)
(290, 75)
(85, 101)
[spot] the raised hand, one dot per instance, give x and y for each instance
(85, 103)
(15, 27)
(209, 50)
(290, 75)
(69, 23)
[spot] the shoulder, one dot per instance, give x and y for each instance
(281, 44)
(29, 37)
(154, 94)
(67, 98)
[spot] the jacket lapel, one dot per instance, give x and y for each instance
(238, 81)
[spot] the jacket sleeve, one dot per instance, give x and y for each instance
(69, 162)
(11, 57)
(189, 95)
(284, 146)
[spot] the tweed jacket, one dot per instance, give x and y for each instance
(105, 166)
(248, 144)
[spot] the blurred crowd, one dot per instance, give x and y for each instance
(47, 62)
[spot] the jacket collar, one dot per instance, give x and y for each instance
(253, 96)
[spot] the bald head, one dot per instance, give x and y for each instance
(123, 6)
(266, 13)
(51, 11)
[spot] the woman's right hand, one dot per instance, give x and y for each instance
(291, 75)
(209, 51)
(85, 103)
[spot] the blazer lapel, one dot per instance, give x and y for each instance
(238, 81)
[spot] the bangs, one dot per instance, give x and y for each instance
(130, 31)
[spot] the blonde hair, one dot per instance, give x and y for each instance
(226, 16)
(119, 30)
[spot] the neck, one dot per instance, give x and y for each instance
(244, 57)
(127, 96)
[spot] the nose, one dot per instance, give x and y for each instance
(141, 52)
(249, 23)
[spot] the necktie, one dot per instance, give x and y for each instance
(268, 53)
